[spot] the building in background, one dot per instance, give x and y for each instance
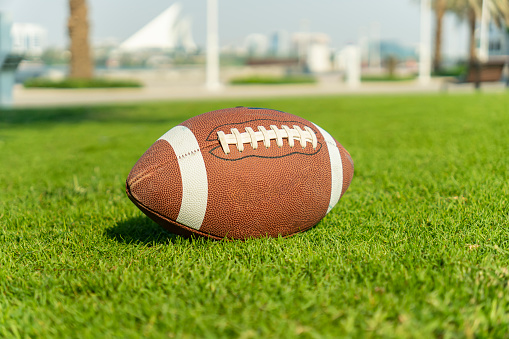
(256, 45)
(498, 44)
(28, 39)
(280, 44)
(168, 31)
(314, 50)
(389, 48)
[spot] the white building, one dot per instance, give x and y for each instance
(28, 38)
(280, 43)
(166, 32)
(315, 49)
(256, 45)
(498, 43)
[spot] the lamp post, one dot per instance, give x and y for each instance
(212, 63)
(9, 61)
(425, 43)
(485, 19)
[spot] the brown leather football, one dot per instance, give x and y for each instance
(241, 173)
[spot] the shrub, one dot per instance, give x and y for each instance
(81, 83)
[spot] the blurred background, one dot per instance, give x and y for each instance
(217, 44)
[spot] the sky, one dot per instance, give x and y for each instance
(345, 21)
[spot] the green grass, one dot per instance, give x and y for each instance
(418, 246)
(456, 71)
(81, 83)
(273, 80)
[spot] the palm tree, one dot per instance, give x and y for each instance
(81, 59)
(500, 12)
(440, 6)
(471, 11)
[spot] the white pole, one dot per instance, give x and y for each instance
(485, 19)
(425, 43)
(212, 46)
(353, 66)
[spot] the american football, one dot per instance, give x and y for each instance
(241, 173)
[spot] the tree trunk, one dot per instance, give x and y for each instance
(440, 7)
(81, 60)
(472, 44)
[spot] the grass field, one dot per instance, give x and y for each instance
(418, 246)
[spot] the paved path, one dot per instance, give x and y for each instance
(78, 97)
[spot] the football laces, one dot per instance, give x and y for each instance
(303, 136)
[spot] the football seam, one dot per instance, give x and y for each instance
(150, 171)
(181, 156)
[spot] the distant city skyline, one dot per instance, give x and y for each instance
(344, 21)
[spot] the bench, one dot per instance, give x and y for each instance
(491, 71)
